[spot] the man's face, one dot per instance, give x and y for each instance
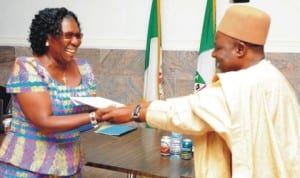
(225, 53)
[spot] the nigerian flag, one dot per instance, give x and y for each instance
(152, 83)
(206, 66)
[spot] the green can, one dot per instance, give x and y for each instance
(186, 149)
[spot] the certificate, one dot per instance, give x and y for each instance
(96, 102)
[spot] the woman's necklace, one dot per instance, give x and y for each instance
(49, 65)
(64, 78)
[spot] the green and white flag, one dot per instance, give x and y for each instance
(206, 66)
(199, 82)
(153, 56)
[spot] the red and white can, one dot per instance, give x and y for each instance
(165, 145)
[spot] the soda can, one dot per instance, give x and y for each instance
(165, 145)
(186, 149)
(175, 146)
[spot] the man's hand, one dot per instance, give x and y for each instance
(117, 115)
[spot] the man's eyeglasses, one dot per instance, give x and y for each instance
(70, 35)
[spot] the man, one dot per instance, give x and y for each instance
(247, 123)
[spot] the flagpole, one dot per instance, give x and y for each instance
(214, 15)
(158, 47)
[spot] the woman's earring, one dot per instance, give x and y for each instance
(47, 44)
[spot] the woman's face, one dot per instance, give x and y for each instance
(225, 53)
(63, 47)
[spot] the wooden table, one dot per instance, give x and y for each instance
(136, 153)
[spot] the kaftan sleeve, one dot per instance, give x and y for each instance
(194, 114)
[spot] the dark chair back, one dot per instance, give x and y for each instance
(5, 106)
(6, 98)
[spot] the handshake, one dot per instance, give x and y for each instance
(112, 111)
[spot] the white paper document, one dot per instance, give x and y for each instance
(97, 102)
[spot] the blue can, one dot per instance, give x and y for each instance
(186, 149)
(175, 145)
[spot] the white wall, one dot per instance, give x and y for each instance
(122, 24)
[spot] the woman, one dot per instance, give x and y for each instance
(44, 136)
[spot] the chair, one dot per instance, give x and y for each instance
(5, 106)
